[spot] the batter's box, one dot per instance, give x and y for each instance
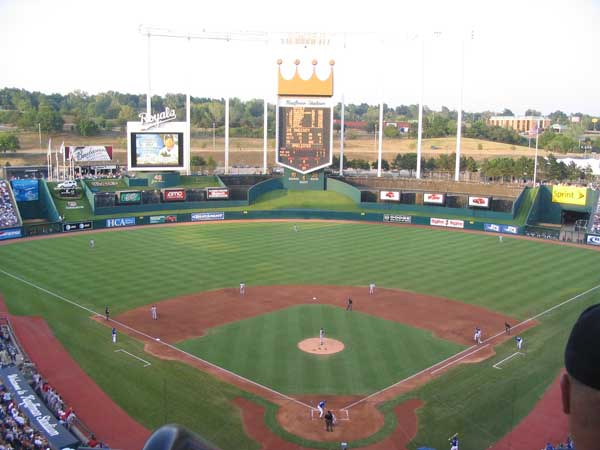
(340, 414)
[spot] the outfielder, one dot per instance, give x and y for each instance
(321, 336)
(92, 243)
(321, 408)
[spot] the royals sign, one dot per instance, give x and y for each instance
(154, 120)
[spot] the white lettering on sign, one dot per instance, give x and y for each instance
(153, 120)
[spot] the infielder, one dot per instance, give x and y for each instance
(106, 313)
(519, 341)
(114, 335)
(154, 313)
(507, 327)
(321, 408)
(242, 288)
(321, 336)
(477, 335)
(371, 288)
(349, 305)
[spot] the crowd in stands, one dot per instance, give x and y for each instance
(567, 445)
(8, 212)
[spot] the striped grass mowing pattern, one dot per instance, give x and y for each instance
(264, 349)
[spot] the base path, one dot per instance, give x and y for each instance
(97, 410)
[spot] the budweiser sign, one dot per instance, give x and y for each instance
(154, 120)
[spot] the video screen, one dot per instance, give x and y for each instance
(157, 150)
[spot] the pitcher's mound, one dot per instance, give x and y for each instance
(313, 345)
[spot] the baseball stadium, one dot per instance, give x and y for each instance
(306, 307)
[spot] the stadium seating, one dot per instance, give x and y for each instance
(8, 209)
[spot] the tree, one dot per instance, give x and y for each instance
(532, 112)
(211, 164)
(86, 127)
(9, 141)
(197, 161)
(390, 131)
(507, 112)
(385, 165)
(126, 114)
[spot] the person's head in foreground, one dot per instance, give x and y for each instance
(580, 386)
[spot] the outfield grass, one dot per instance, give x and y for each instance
(377, 352)
(130, 268)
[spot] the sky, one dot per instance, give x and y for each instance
(517, 54)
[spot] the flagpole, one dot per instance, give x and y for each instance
(535, 163)
(49, 160)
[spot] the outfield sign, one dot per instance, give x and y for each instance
(205, 216)
(163, 219)
(217, 193)
(479, 202)
(90, 153)
(154, 120)
(494, 228)
(74, 205)
(393, 196)
(38, 414)
(129, 197)
(434, 199)
(569, 194)
(25, 190)
(449, 223)
(173, 195)
(120, 222)
(10, 233)
(593, 240)
(76, 226)
(397, 218)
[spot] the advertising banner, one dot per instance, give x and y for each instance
(389, 195)
(569, 194)
(479, 202)
(435, 199)
(452, 223)
(76, 226)
(120, 222)
(90, 153)
(593, 240)
(217, 193)
(164, 149)
(397, 218)
(494, 228)
(129, 197)
(203, 216)
(173, 195)
(74, 205)
(10, 233)
(438, 222)
(163, 219)
(38, 414)
(25, 190)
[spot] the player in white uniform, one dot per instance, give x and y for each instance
(154, 312)
(321, 336)
(371, 288)
(114, 335)
(92, 243)
(242, 288)
(477, 335)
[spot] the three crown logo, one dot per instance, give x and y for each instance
(312, 87)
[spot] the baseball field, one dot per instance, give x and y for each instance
(219, 351)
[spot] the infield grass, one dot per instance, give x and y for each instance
(377, 352)
(131, 268)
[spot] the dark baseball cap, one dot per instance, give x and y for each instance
(582, 354)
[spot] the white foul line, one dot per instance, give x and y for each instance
(141, 333)
(456, 360)
(146, 363)
(505, 359)
(486, 340)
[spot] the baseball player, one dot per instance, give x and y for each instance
(349, 305)
(321, 336)
(519, 341)
(454, 443)
(477, 335)
(106, 313)
(507, 327)
(500, 238)
(154, 312)
(114, 335)
(295, 228)
(321, 408)
(242, 288)
(92, 243)
(371, 288)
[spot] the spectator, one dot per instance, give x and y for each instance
(580, 386)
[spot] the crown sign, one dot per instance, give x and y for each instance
(313, 87)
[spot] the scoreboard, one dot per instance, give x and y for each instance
(305, 127)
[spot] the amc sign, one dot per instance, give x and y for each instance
(479, 202)
(435, 199)
(173, 195)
